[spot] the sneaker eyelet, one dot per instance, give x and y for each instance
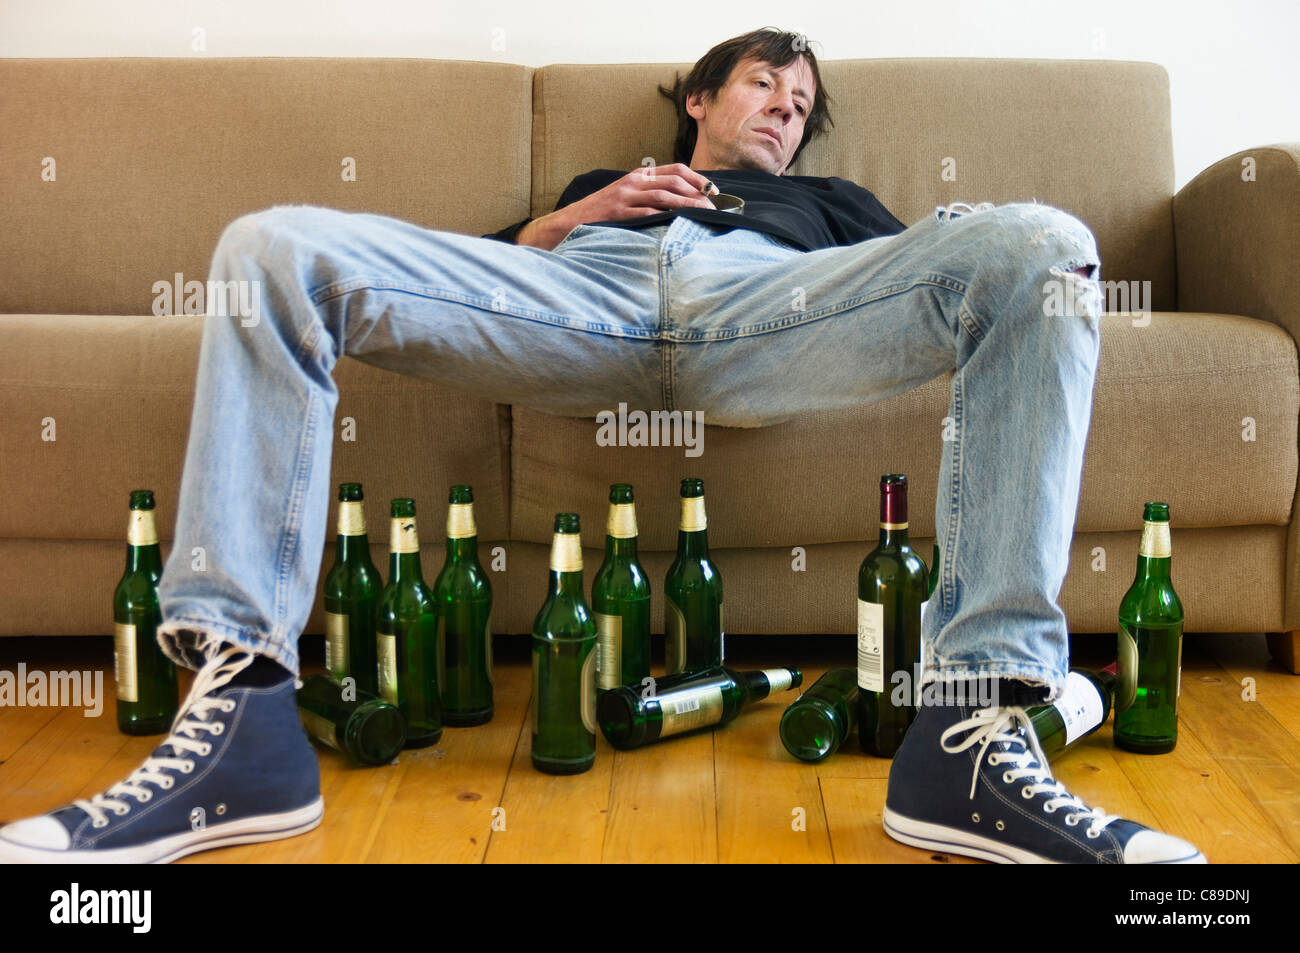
(188, 767)
(228, 706)
(1024, 793)
(144, 797)
(101, 822)
(123, 812)
(1092, 835)
(1072, 820)
(206, 749)
(994, 759)
(221, 809)
(975, 818)
(1048, 809)
(1006, 777)
(166, 783)
(218, 728)
(1000, 826)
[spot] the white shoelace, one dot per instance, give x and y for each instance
(990, 725)
(192, 718)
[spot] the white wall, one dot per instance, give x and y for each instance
(1233, 66)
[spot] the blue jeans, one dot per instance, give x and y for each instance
(680, 316)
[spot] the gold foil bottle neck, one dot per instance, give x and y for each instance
(352, 518)
(460, 521)
(622, 521)
(693, 519)
(566, 553)
(140, 531)
(403, 537)
(1155, 540)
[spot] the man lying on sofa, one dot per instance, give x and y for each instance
(637, 289)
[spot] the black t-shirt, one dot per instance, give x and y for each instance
(804, 210)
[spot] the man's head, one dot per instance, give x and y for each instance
(767, 79)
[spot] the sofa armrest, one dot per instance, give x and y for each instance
(1237, 236)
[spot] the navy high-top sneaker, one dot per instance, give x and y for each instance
(974, 781)
(237, 768)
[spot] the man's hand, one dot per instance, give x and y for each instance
(641, 192)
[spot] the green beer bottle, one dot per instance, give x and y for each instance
(352, 589)
(1150, 646)
(406, 630)
(892, 585)
(464, 598)
(676, 704)
(620, 599)
(693, 634)
(564, 662)
(147, 694)
(369, 730)
(1081, 710)
(818, 721)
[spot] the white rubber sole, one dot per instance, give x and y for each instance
(250, 830)
(950, 840)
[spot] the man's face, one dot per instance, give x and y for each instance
(756, 96)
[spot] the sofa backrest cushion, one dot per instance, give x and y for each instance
(1091, 137)
(152, 158)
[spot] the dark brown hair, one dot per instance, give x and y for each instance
(769, 45)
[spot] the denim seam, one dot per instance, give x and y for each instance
(667, 348)
(291, 532)
(340, 289)
(948, 572)
(795, 320)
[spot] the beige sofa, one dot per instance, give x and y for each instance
(121, 173)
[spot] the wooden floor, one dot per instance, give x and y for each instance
(1232, 786)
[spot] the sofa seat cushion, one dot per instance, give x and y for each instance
(1173, 400)
(120, 391)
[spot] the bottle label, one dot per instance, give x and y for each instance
(322, 729)
(1080, 707)
(589, 690)
(352, 518)
(402, 537)
(622, 521)
(124, 661)
(1126, 669)
(566, 553)
(722, 637)
(674, 638)
(778, 679)
(336, 644)
(487, 646)
(609, 648)
(388, 668)
(1155, 539)
(871, 646)
(693, 519)
(460, 521)
(140, 530)
(690, 708)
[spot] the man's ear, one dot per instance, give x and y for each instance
(695, 101)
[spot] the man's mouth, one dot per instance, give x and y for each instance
(764, 132)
